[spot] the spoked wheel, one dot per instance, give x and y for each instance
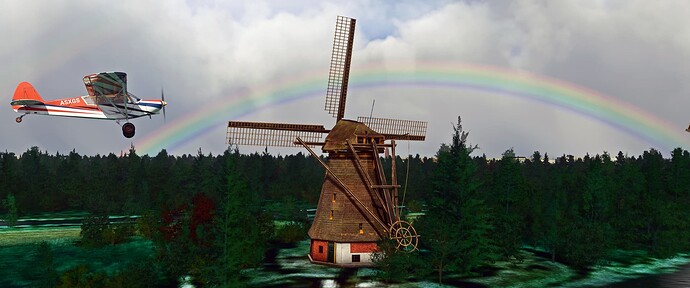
(18, 119)
(405, 236)
(128, 130)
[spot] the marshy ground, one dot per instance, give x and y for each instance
(289, 266)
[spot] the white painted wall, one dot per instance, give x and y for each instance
(343, 255)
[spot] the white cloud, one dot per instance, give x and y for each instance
(203, 51)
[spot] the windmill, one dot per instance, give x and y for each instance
(357, 206)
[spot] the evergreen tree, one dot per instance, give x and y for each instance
(12, 214)
(510, 204)
(243, 233)
(627, 205)
(395, 265)
(588, 230)
(457, 227)
(673, 234)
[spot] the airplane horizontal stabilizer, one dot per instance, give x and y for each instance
(25, 102)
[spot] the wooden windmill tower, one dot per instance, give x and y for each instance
(357, 206)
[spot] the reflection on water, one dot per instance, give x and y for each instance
(678, 279)
(290, 267)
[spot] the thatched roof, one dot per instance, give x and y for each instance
(347, 130)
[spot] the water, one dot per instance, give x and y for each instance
(680, 278)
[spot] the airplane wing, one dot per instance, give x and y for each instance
(106, 84)
(107, 88)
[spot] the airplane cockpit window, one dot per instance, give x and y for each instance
(133, 98)
(88, 100)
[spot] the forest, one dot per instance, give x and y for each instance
(475, 210)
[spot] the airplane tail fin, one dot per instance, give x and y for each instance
(26, 94)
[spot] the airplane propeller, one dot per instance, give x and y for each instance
(163, 102)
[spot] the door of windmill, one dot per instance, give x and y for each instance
(330, 255)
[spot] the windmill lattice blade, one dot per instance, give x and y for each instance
(339, 74)
(396, 129)
(271, 134)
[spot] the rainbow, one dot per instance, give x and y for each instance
(611, 111)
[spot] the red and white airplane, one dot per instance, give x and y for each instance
(107, 99)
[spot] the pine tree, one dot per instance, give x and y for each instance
(457, 227)
(588, 230)
(509, 201)
(243, 231)
(12, 214)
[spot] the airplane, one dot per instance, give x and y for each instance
(107, 99)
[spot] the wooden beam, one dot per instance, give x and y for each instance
(394, 182)
(407, 137)
(385, 186)
(367, 179)
(382, 179)
(311, 143)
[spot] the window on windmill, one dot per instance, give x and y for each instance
(360, 229)
(330, 217)
(360, 140)
(320, 249)
(355, 258)
(333, 198)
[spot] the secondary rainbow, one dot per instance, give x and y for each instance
(616, 113)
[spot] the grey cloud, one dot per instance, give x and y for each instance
(204, 51)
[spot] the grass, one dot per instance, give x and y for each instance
(11, 237)
(20, 260)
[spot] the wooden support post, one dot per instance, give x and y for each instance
(382, 179)
(367, 179)
(394, 182)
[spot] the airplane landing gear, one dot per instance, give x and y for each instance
(19, 119)
(128, 130)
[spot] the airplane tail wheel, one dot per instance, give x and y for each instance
(18, 119)
(405, 235)
(128, 130)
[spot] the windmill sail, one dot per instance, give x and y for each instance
(272, 134)
(396, 129)
(339, 74)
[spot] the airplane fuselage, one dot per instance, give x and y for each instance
(86, 107)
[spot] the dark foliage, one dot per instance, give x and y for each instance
(96, 231)
(576, 209)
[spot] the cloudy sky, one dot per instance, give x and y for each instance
(233, 55)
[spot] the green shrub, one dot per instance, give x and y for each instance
(290, 233)
(97, 231)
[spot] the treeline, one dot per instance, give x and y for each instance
(477, 210)
(130, 184)
(580, 209)
(576, 211)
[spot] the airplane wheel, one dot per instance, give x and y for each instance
(18, 119)
(128, 130)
